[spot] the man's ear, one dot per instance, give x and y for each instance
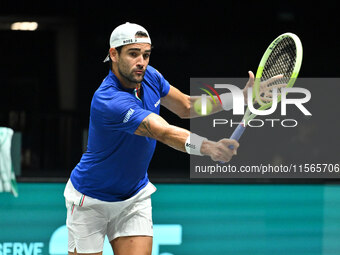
(113, 54)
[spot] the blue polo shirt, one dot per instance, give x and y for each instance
(114, 167)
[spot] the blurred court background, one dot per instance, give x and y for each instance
(48, 77)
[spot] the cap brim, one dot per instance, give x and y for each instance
(107, 58)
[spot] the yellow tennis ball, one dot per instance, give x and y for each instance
(198, 107)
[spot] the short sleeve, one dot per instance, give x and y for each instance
(164, 85)
(124, 114)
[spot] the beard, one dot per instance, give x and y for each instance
(130, 76)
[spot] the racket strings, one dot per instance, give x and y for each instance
(278, 68)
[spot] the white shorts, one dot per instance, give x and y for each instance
(89, 220)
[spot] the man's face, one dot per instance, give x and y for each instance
(133, 60)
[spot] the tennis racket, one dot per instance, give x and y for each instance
(279, 67)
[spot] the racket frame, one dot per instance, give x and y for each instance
(249, 115)
(256, 88)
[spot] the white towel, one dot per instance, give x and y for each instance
(7, 176)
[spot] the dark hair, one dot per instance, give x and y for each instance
(119, 49)
(141, 34)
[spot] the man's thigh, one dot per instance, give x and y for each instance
(132, 245)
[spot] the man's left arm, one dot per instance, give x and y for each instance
(183, 105)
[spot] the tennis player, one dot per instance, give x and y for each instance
(109, 191)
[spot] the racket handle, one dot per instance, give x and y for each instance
(237, 134)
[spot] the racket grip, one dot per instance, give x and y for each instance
(237, 134)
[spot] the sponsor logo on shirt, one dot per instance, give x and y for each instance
(157, 103)
(128, 115)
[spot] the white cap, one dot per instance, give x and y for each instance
(126, 34)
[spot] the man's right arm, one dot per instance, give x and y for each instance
(156, 127)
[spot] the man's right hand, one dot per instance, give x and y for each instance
(220, 151)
